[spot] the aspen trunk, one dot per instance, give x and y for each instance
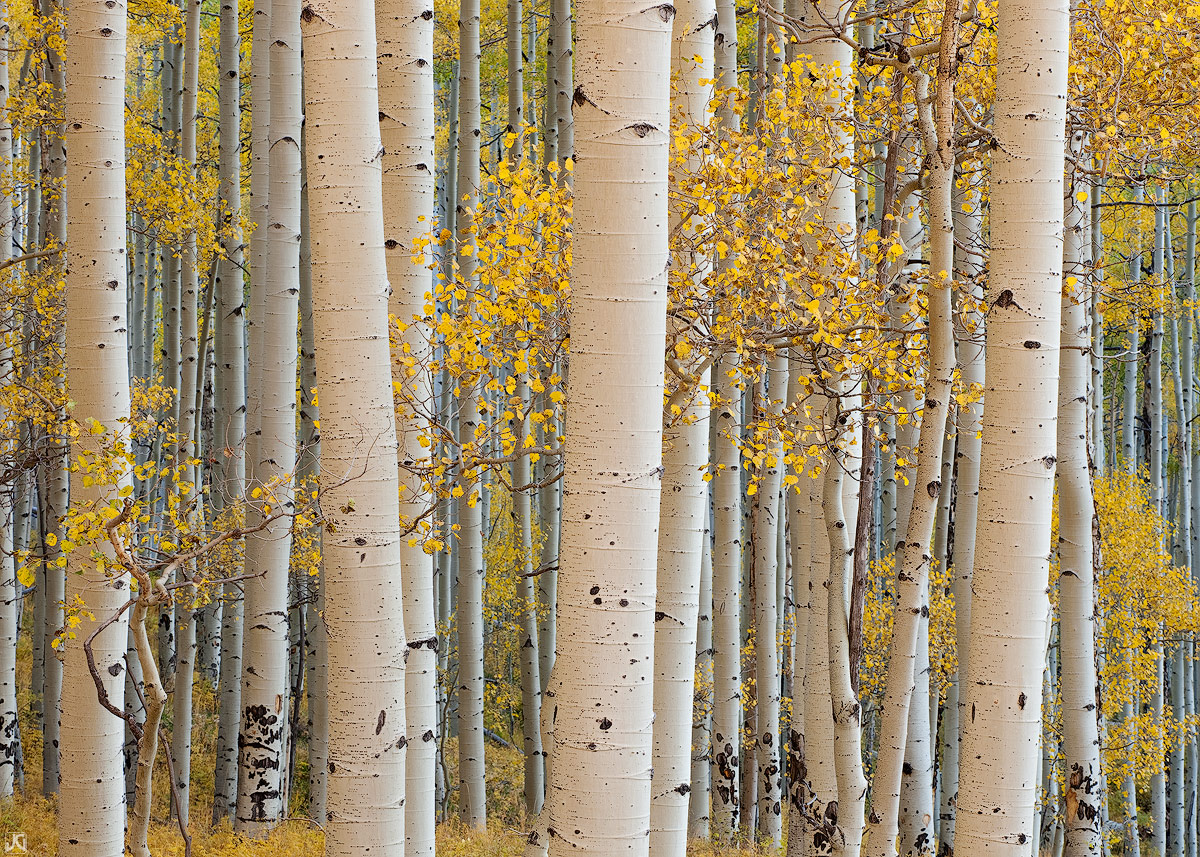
(969, 339)
(531, 683)
(683, 512)
(699, 798)
(999, 760)
(91, 818)
(727, 563)
(764, 560)
(10, 588)
(360, 487)
(231, 403)
(406, 118)
(262, 738)
(845, 818)
(603, 726)
(1078, 682)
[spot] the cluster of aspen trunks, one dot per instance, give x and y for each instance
(774, 423)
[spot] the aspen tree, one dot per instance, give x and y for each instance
(406, 119)
(1081, 739)
(683, 511)
(264, 700)
(91, 819)
(231, 401)
(471, 520)
(10, 588)
(764, 526)
(935, 119)
(727, 521)
(602, 703)
(998, 773)
(360, 489)
(969, 339)
(700, 796)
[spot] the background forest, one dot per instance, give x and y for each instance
(533, 428)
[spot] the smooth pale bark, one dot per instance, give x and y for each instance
(969, 340)
(262, 738)
(186, 418)
(764, 525)
(846, 816)
(360, 488)
(700, 796)
(599, 793)
(472, 803)
(1077, 651)
(916, 782)
(531, 683)
(406, 116)
(472, 795)
(10, 588)
(230, 426)
(802, 517)
(999, 759)
(564, 88)
(683, 512)
(727, 521)
(91, 817)
(935, 121)
(726, 621)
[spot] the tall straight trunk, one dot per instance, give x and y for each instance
(471, 520)
(699, 798)
(91, 818)
(185, 615)
(10, 588)
(531, 683)
(308, 472)
(564, 88)
(802, 518)
(262, 737)
(969, 340)
(360, 487)
(1156, 437)
(936, 123)
(726, 582)
(472, 797)
(999, 760)
(1129, 443)
(1077, 650)
(683, 512)
(727, 521)
(406, 117)
(764, 559)
(603, 712)
(846, 817)
(549, 520)
(231, 402)
(916, 782)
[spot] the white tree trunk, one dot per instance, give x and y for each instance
(844, 819)
(726, 617)
(360, 490)
(700, 796)
(406, 96)
(262, 738)
(10, 589)
(683, 513)
(1003, 690)
(231, 403)
(764, 561)
(969, 338)
(599, 794)
(91, 818)
(1077, 650)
